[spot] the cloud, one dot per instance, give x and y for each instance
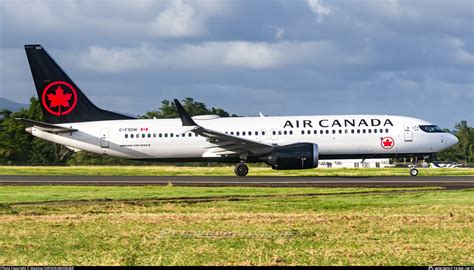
(223, 54)
(182, 18)
(189, 56)
(318, 8)
(460, 55)
(178, 20)
(279, 32)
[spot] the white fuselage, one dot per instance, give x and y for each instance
(337, 136)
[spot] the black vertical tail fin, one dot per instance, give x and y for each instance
(61, 100)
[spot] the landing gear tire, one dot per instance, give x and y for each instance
(241, 169)
(413, 172)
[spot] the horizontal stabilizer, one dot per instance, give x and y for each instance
(46, 126)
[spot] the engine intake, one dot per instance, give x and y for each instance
(293, 157)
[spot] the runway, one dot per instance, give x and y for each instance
(274, 181)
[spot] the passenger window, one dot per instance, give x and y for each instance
(256, 132)
(321, 131)
(250, 133)
(171, 135)
(143, 135)
(352, 131)
(195, 134)
(302, 132)
(160, 135)
(279, 132)
(291, 132)
(131, 136)
(346, 131)
(381, 130)
(263, 132)
(375, 130)
(189, 134)
(231, 133)
(126, 136)
(154, 135)
(149, 135)
(327, 131)
(166, 135)
(369, 130)
(386, 130)
(237, 133)
(273, 132)
(285, 132)
(358, 131)
(243, 133)
(333, 131)
(363, 131)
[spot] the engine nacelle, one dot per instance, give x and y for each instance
(293, 157)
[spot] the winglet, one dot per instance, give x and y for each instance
(183, 114)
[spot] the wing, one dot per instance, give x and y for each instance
(46, 126)
(224, 144)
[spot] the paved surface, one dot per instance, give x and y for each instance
(394, 181)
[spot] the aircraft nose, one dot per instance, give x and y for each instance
(452, 140)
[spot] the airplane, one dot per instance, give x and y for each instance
(283, 142)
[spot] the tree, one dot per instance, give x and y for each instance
(463, 150)
(168, 109)
(17, 147)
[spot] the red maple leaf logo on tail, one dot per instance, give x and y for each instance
(58, 102)
(59, 98)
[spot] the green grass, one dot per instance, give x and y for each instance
(218, 171)
(235, 226)
(29, 194)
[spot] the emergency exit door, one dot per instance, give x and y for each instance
(408, 132)
(104, 137)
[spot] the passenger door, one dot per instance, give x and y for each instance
(408, 132)
(104, 137)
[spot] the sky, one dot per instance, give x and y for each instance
(279, 57)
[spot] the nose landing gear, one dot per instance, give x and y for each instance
(413, 171)
(241, 169)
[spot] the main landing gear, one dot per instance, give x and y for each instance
(241, 169)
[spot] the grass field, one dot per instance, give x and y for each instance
(170, 225)
(218, 171)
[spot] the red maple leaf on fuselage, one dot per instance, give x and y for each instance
(387, 143)
(59, 99)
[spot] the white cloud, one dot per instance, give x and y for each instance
(279, 32)
(115, 59)
(318, 8)
(178, 20)
(252, 55)
(460, 55)
(224, 54)
(183, 18)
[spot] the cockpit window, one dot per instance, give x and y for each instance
(431, 128)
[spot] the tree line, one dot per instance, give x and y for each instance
(17, 147)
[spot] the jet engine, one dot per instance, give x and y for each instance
(293, 156)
